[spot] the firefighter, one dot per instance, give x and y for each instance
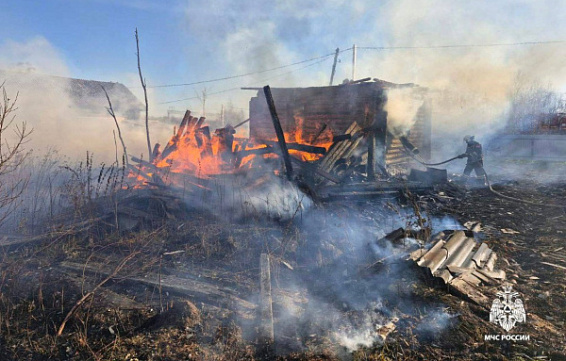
(474, 154)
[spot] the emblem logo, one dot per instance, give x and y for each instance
(507, 309)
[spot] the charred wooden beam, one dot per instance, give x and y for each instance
(170, 148)
(257, 151)
(308, 167)
(319, 133)
(183, 124)
(239, 155)
(377, 139)
(300, 147)
(267, 336)
(241, 123)
(205, 131)
(278, 131)
(145, 163)
(138, 172)
(172, 145)
(156, 151)
(200, 122)
(191, 124)
(340, 138)
(357, 81)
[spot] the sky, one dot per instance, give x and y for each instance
(190, 41)
(184, 41)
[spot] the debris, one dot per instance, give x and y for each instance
(385, 330)
(474, 226)
(430, 176)
(267, 337)
(453, 259)
(508, 231)
(553, 265)
(198, 290)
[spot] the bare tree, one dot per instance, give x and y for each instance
(110, 111)
(142, 80)
(531, 103)
(12, 155)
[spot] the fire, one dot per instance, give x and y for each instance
(323, 138)
(194, 150)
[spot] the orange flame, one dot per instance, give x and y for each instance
(197, 152)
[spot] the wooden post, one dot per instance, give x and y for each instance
(377, 137)
(278, 132)
(267, 336)
(334, 66)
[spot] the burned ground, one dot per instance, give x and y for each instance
(179, 282)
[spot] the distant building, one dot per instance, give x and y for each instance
(84, 96)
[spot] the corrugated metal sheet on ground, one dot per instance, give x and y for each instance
(461, 262)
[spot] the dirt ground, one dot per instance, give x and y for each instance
(182, 283)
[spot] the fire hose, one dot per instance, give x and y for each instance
(413, 151)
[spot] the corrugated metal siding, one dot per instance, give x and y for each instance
(456, 256)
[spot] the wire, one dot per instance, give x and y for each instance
(360, 48)
(461, 45)
(238, 88)
(248, 74)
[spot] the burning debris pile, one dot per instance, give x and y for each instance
(364, 159)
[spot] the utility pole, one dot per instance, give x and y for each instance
(334, 66)
(204, 102)
(222, 121)
(202, 99)
(354, 62)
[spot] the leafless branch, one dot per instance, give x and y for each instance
(145, 96)
(111, 112)
(91, 293)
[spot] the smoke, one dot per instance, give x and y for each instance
(402, 106)
(60, 118)
(36, 55)
(355, 289)
(469, 86)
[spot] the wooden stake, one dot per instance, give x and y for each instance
(267, 336)
(278, 131)
(334, 66)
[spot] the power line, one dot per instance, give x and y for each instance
(461, 45)
(247, 74)
(261, 81)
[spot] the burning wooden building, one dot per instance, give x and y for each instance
(362, 110)
(329, 139)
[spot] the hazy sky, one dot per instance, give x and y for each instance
(189, 41)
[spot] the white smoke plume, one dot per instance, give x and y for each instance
(60, 121)
(470, 86)
(402, 106)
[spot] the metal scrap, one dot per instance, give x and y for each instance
(461, 263)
